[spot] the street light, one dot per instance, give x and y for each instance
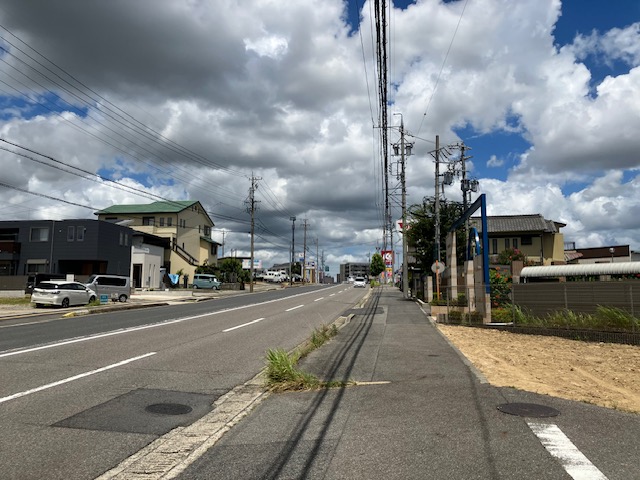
(611, 251)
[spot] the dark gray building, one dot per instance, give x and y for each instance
(354, 270)
(80, 247)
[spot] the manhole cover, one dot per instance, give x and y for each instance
(528, 410)
(168, 409)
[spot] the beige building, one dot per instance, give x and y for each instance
(185, 223)
(539, 239)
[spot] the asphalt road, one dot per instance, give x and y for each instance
(77, 395)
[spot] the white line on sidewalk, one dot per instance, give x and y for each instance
(294, 308)
(243, 325)
(75, 377)
(558, 445)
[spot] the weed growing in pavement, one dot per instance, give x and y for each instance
(282, 372)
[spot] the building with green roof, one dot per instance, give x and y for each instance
(185, 223)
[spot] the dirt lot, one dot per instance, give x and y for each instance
(599, 373)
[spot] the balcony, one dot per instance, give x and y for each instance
(10, 247)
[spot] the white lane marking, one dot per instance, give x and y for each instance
(294, 308)
(558, 445)
(332, 295)
(75, 377)
(318, 299)
(243, 325)
(143, 327)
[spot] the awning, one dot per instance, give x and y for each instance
(37, 261)
(584, 269)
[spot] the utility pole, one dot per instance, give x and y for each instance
(405, 269)
(304, 252)
(252, 206)
(223, 232)
(317, 264)
(437, 215)
(293, 248)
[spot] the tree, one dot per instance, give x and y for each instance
(422, 233)
(377, 265)
(231, 271)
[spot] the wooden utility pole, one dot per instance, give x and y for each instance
(252, 206)
(304, 252)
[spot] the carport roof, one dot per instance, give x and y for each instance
(616, 268)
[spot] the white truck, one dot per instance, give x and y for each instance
(275, 276)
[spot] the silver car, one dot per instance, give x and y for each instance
(62, 293)
(359, 282)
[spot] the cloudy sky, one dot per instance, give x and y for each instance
(126, 101)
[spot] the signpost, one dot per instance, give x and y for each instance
(438, 268)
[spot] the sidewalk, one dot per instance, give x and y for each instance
(418, 411)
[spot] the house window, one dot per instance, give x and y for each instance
(214, 249)
(507, 244)
(126, 240)
(39, 234)
(71, 233)
(148, 221)
(162, 221)
(526, 240)
(169, 221)
(80, 234)
(515, 243)
(494, 246)
(207, 230)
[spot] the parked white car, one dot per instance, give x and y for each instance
(62, 293)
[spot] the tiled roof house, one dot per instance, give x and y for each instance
(185, 223)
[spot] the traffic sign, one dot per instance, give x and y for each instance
(438, 267)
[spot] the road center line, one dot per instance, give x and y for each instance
(75, 377)
(332, 295)
(294, 308)
(243, 325)
(144, 327)
(558, 445)
(318, 299)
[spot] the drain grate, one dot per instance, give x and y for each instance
(169, 409)
(532, 410)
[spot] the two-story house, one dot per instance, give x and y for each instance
(539, 239)
(78, 246)
(185, 223)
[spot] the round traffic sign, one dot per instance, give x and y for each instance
(438, 267)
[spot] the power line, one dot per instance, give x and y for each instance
(424, 115)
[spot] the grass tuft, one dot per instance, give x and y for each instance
(282, 372)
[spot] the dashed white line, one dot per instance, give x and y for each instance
(243, 325)
(318, 299)
(332, 295)
(294, 308)
(558, 445)
(75, 377)
(142, 327)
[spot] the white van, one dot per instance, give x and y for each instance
(117, 287)
(275, 276)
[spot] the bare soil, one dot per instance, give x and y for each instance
(599, 373)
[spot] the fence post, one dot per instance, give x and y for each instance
(633, 315)
(513, 305)
(566, 301)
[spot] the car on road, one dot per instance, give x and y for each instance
(62, 293)
(359, 282)
(201, 280)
